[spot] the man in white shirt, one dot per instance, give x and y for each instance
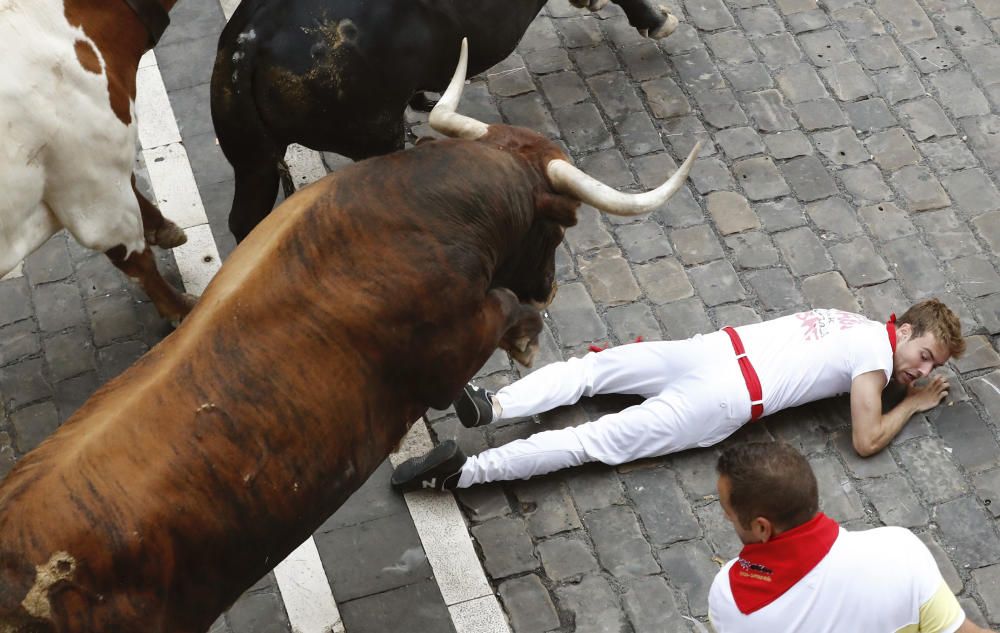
(800, 571)
(700, 390)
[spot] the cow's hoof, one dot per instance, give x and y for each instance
(169, 235)
(669, 26)
(524, 356)
(186, 304)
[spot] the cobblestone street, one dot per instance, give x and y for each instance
(850, 159)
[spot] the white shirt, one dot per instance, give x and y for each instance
(878, 581)
(813, 355)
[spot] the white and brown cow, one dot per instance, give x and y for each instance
(365, 298)
(68, 134)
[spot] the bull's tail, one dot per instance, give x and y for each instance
(243, 135)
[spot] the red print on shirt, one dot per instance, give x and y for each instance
(816, 324)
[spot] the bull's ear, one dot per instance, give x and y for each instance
(556, 207)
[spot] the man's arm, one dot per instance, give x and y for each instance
(971, 627)
(872, 430)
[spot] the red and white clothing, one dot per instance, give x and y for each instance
(878, 581)
(696, 393)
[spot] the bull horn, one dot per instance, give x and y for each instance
(567, 179)
(443, 117)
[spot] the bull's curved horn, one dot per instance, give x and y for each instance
(443, 117)
(567, 179)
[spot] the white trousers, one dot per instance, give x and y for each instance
(695, 396)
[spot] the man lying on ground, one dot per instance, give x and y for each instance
(800, 571)
(700, 390)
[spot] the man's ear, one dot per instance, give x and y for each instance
(904, 332)
(762, 529)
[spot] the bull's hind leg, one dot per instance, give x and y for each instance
(158, 230)
(141, 267)
(257, 181)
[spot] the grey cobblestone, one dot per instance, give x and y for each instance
(506, 547)
(800, 82)
(926, 119)
(644, 61)
(638, 135)
(582, 127)
(739, 142)
(834, 217)
(841, 146)
(621, 548)
(664, 280)
(717, 283)
(731, 47)
(752, 250)
(33, 424)
(731, 212)
(837, 496)
(546, 507)
(709, 15)
(949, 236)
(768, 111)
(651, 607)
(971, 537)
(933, 473)
(973, 191)
(760, 178)
(803, 251)
(969, 438)
(892, 149)
(748, 77)
(829, 290)
(820, 114)
(683, 319)
(689, 567)
(896, 502)
(530, 607)
(665, 98)
(887, 222)
(976, 275)
(878, 53)
(908, 20)
(869, 115)
(593, 605)
(919, 188)
(573, 312)
(859, 262)
(895, 85)
(609, 278)
(566, 558)
(615, 95)
(788, 144)
(775, 288)
(720, 109)
(959, 94)
(711, 174)
(848, 80)
(696, 245)
(661, 505)
(760, 21)
(808, 178)
(808, 21)
(865, 184)
(979, 355)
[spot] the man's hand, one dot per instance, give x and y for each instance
(928, 396)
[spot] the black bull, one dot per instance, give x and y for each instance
(366, 298)
(336, 75)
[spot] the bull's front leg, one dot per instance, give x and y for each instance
(513, 326)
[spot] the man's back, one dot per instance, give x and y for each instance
(878, 581)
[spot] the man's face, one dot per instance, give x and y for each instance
(725, 489)
(916, 357)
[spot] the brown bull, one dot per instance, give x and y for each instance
(361, 301)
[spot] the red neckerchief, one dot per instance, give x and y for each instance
(890, 327)
(765, 571)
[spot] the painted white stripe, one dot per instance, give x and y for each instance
(482, 615)
(306, 591)
(302, 581)
(449, 548)
(17, 272)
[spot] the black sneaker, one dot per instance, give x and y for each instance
(437, 470)
(474, 406)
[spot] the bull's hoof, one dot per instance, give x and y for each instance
(669, 26)
(169, 235)
(525, 356)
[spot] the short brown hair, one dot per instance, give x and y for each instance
(935, 317)
(770, 480)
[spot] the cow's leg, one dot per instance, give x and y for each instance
(158, 230)
(256, 189)
(141, 267)
(649, 17)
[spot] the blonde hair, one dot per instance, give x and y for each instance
(935, 317)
